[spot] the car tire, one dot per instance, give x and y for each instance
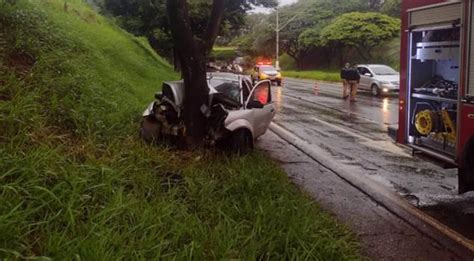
(375, 90)
(241, 142)
(150, 130)
(279, 83)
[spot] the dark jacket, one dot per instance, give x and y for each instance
(352, 74)
(344, 73)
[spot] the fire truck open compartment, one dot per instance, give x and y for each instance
(437, 83)
(433, 88)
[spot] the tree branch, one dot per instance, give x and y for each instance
(214, 24)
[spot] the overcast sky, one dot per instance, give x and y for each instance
(282, 3)
(286, 2)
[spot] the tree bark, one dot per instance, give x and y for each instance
(193, 70)
(214, 25)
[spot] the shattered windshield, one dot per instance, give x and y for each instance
(229, 88)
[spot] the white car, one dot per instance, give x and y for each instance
(238, 112)
(378, 79)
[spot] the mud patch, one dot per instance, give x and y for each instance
(20, 62)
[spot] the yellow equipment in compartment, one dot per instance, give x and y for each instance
(424, 122)
(426, 125)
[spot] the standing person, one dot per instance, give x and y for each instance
(353, 79)
(345, 86)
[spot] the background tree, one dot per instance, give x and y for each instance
(308, 17)
(392, 8)
(149, 18)
(362, 31)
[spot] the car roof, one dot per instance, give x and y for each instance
(227, 76)
(231, 77)
(372, 65)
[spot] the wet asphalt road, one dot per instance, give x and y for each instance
(383, 235)
(355, 136)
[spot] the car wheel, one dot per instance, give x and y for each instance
(241, 142)
(279, 83)
(150, 130)
(375, 90)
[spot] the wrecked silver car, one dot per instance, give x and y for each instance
(238, 112)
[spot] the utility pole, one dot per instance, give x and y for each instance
(278, 28)
(277, 61)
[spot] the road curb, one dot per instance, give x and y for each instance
(428, 226)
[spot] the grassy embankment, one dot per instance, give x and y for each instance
(328, 76)
(77, 183)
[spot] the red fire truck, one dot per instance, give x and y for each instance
(437, 82)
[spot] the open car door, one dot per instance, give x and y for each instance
(260, 102)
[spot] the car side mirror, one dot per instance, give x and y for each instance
(368, 74)
(254, 105)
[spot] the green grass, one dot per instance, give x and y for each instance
(223, 53)
(320, 75)
(77, 183)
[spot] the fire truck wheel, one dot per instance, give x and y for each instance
(375, 90)
(466, 171)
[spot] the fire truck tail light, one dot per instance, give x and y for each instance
(402, 103)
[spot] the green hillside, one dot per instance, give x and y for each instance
(76, 183)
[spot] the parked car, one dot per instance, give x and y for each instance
(266, 72)
(379, 79)
(238, 113)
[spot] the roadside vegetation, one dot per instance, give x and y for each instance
(223, 53)
(77, 183)
(324, 34)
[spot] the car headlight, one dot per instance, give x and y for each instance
(389, 85)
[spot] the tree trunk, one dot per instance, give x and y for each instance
(192, 60)
(193, 70)
(364, 53)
